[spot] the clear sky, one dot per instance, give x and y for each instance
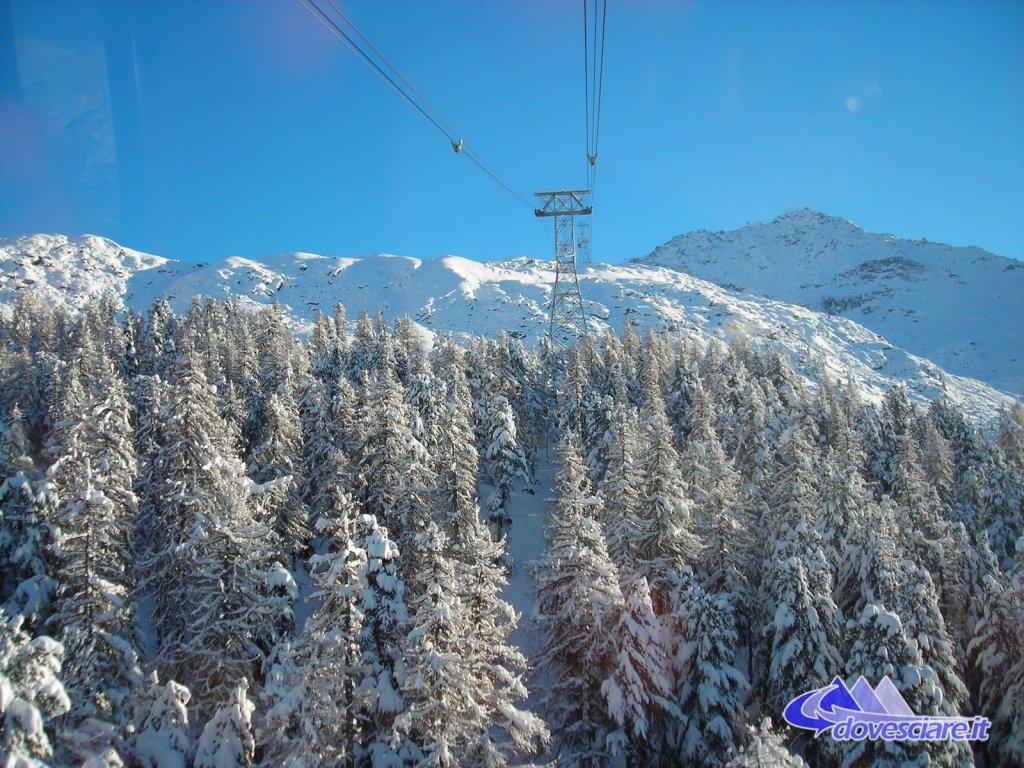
(201, 129)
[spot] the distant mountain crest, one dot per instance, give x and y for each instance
(465, 297)
(958, 306)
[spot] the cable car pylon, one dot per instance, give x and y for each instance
(568, 320)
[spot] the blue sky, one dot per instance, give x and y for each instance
(200, 129)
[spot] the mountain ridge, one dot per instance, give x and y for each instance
(957, 305)
(465, 297)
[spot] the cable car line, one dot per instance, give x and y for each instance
(390, 66)
(600, 82)
(593, 81)
(586, 85)
(335, 30)
(412, 96)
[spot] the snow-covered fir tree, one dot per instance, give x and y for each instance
(506, 458)
(800, 621)
(666, 537)
(622, 488)
(31, 694)
(312, 717)
(27, 582)
(455, 701)
(382, 603)
(227, 740)
(765, 748)
(712, 688)
(95, 507)
(998, 657)
(639, 688)
(220, 595)
(275, 464)
(162, 738)
(384, 433)
(714, 488)
(579, 604)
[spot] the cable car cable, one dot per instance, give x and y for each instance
(422, 106)
(332, 27)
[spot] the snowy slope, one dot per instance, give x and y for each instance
(960, 307)
(457, 295)
(75, 271)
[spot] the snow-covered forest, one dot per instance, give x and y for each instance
(223, 545)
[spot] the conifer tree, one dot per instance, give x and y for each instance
(639, 687)
(220, 596)
(312, 716)
(275, 464)
(917, 605)
(765, 748)
(622, 489)
(417, 503)
(841, 497)
(1010, 436)
(713, 486)
(614, 370)
(362, 350)
(26, 583)
(458, 463)
(936, 458)
(631, 355)
(162, 740)
(802, 650)
(879, 647)
(966, 569)
(1003, 511)
(970, 462)
(453, 704)
(479, 577)
(710, 698)
(683, 380)
(756, 430)
(157, 343)
(886, 445)
(31, 694)
(95, 507)
(998, 658)
(920, 508)
(507, 460)
(498, 666)
(425, 394)
(227, 739)
(579, 602)
(324, 463)
(410, 348)
(893, 608)
(241, 394)
(382, 603)
(343, 411)
(384, 430)
(570, 393)
(800, 621)
(666, 514)
(325, 349)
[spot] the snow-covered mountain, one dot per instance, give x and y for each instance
(74, 271)
(960, 307)
(454, 294)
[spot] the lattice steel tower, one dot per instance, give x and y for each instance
(568, 319)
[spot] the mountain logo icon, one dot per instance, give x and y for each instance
(861, 712)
